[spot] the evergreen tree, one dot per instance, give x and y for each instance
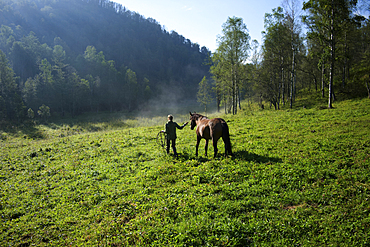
(11, 104)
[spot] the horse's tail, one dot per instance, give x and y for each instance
(226, 138)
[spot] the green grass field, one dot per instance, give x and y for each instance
(299, 177)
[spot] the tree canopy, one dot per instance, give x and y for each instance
(229, 60)
(78, 56)
(332, 52)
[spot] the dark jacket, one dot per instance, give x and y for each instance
(170, 129)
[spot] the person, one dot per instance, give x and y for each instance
(170, 130)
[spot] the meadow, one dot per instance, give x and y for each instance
(298, 177)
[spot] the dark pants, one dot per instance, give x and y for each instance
(173, 146)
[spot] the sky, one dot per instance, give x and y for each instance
(201, 20)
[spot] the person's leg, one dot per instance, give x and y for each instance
(174, 147)
(168, 146)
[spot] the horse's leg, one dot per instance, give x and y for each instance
(229, 146)
(206, 147)
(214, 140)
(226, 140)
(197, 145)
(226, 146)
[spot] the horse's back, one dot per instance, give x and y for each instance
(212, 128)
(217, 122)
(217, 126)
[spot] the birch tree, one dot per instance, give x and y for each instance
(292, 18)
(231, 56)
(276, 55)
(325, 20)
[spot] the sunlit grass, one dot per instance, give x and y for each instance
(299, 177)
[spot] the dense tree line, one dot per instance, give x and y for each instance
(75, 56)
(332, 57)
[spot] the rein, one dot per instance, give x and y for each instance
(161, 137)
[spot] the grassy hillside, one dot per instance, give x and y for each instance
(299, 177)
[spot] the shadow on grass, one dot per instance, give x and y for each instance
(186, 156)
(247, 156)
(240, 155)
(33, 133)
(28, 130)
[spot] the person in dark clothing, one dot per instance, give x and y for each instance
(170, 130)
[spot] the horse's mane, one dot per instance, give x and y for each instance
(199, 116)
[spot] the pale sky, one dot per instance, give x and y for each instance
(201, 20)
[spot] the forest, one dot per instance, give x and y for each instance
(321, 46)
(65, 58)
(69, 57)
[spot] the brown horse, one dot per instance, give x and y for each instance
(211, 129)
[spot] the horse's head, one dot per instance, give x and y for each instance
(193, 120)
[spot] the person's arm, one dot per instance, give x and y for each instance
(182, 126)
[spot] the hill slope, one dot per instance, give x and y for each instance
(299, 177)
(97, 39)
